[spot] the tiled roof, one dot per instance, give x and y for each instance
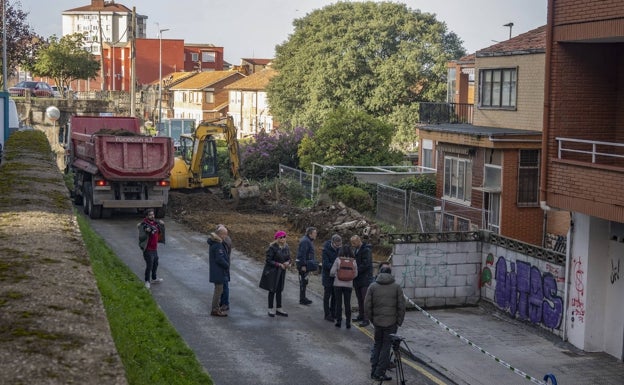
(173, 78)
(533, 41)
(258, 62)
(466, 59)
(203, 79)
(109, 6)
(254, 82)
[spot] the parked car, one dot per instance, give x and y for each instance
(37, 89)
(66, 90)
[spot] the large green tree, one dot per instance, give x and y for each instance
(21, 41)
(378, 57)
(65, 60)
(349, 138)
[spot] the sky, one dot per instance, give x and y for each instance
(252, 28)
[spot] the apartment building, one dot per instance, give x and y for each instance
(583, 162)
(487, 153)
(103, 22)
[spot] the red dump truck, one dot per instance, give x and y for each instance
(115, 166)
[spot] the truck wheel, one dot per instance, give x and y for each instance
(85, 203)
(160, 212)
(95, 211)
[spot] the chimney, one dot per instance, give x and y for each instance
(97, 3)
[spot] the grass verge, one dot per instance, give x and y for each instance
(151, 349)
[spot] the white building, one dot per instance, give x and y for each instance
(104, 21)
(249, 105)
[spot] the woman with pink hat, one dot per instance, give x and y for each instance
(274, 273)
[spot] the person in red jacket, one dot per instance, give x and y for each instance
(151, 231)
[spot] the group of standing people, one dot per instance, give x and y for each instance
(380, 299)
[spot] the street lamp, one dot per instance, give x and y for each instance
(510, 25)
(160, 31)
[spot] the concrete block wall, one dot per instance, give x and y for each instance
(439, 274)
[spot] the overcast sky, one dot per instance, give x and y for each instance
(252, 28)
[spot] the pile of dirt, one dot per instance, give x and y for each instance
(253, 229)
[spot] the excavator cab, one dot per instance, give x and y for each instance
(197, 164)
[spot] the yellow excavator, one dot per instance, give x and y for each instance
(196, 166)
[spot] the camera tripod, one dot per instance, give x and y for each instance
(396, 357)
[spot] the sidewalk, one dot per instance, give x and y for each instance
(522, 347)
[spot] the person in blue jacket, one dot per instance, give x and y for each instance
(219, 261)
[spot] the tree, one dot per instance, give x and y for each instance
(21, 41)
(379, 57)
(65, 60)
(349, 137)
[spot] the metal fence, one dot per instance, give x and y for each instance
(425, 214)
(307, 181)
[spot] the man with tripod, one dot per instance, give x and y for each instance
(384, 305)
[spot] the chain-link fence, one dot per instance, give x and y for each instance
(425, 214)
(392, 206)
(307, 181)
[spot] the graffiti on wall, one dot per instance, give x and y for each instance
(615, 271)
(486, 273)
(433, 267)
(577, 303)
(527, 293)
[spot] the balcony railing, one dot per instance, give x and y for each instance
(591, 151)
(437, 113)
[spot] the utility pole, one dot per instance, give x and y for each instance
(4, 50)
(133, 63)
(101, 49)
(160, 82)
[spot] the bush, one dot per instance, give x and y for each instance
(353, 197)
(422, 184)
(335, 177)
(261, 158)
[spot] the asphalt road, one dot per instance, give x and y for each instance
(248, 347)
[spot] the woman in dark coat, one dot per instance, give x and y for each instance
(274, 273)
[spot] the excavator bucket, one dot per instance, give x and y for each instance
(245, 195)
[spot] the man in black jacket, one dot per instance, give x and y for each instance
(385, 307)
(364, 259)
(305, 253)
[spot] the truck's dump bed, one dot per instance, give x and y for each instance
(114, 147)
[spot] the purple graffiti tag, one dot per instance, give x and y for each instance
(528, 294)
(501, 293)
(552, 307)
(524, 289)
(536, 297)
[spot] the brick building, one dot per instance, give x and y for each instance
(583, 162)
(488, 153)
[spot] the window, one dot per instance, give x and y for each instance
(427, 153)
(494, 202)
(208, 57)
(209, 97)
(497, 88)
(450, 85)
(194, 56)
(457, 178)
(528, 178)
